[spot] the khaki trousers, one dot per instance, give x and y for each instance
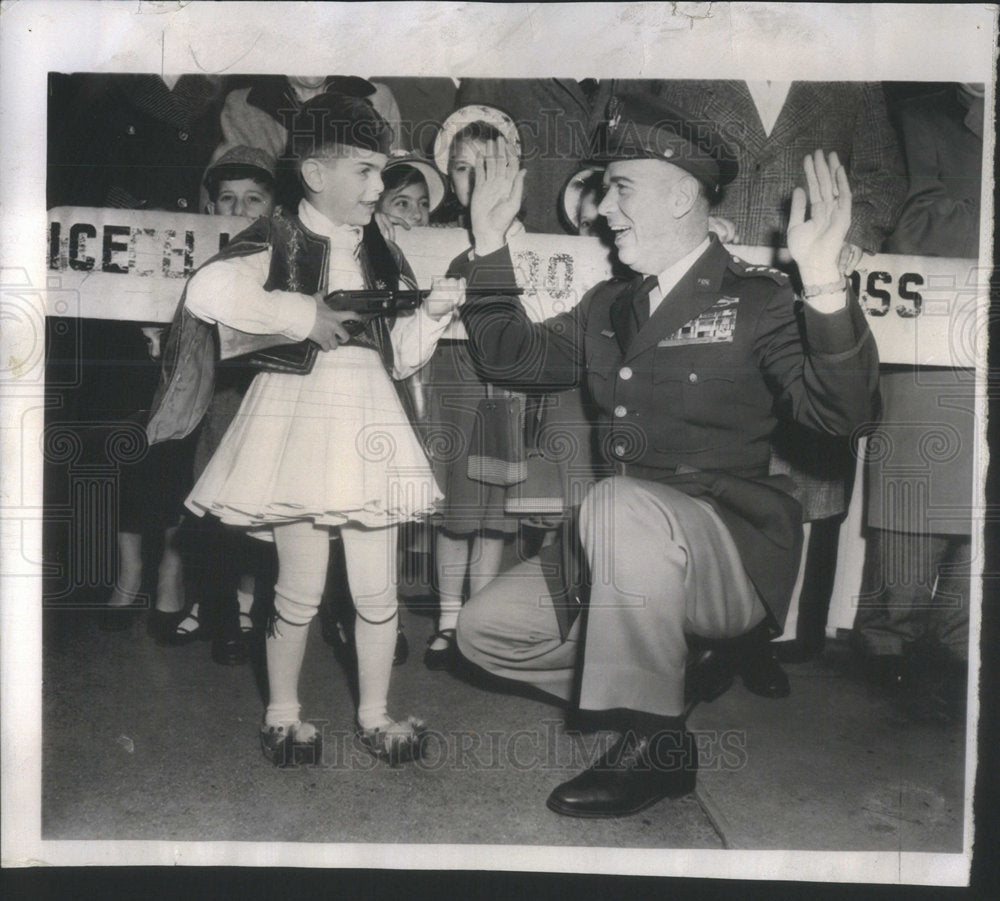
(662, 564)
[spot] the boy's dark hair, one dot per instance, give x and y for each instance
(238, 173)
(474, 131)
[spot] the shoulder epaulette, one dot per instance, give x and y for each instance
(751, 270)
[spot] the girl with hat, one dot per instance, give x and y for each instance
(413, 190)
(472, 525)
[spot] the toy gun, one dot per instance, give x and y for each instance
(278, 353)
(371, 304)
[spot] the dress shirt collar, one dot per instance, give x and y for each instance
(674, 273)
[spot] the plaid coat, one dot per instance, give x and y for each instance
(849, 117)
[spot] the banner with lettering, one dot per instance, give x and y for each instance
(131, 264)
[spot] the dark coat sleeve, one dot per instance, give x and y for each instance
(507, 347)
(830, 384)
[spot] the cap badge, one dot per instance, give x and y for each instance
(614, 113)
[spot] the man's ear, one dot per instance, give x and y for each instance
(686, 193)
(312, 175)
(210, 208)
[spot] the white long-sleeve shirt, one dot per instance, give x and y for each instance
(231, 292)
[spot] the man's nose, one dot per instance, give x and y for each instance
(606, 205)
(239, 207)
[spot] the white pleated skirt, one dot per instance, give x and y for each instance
(334, 447)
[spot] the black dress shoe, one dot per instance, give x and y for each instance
(798, 650)
(762, 674)
(709, 674)
(889, 672)
(229, 651)
(162, 627)
(445, 658)
(635, 773)
(118, 619)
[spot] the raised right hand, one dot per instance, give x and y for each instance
(328, 330)
(496, 197)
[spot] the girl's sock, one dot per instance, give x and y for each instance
(245, 600)
(448, 610)
(190, 623)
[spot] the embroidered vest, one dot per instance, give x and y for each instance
(299, 260)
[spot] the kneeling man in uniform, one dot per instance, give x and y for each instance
(691, 362)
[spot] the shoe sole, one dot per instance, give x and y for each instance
(766, 693)
(556, 807)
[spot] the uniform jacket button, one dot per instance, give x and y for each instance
(620, 411)
(183, 135)
(131, 129)
(182, 202)
(619, 450)
(692, 377)
(625, 373)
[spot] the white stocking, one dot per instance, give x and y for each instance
(303, 554)
(371, 574)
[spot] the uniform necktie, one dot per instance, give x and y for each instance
(640, 303)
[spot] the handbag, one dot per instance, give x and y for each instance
(496, 447)
(541, 493)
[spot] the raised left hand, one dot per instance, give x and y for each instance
(496, 197)
(815, 243)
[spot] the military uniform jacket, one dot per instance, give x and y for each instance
(298, 263)
(691, 397)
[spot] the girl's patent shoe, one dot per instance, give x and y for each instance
(164, 628)
(443, 658)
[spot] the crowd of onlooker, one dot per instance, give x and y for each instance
(214, 145)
